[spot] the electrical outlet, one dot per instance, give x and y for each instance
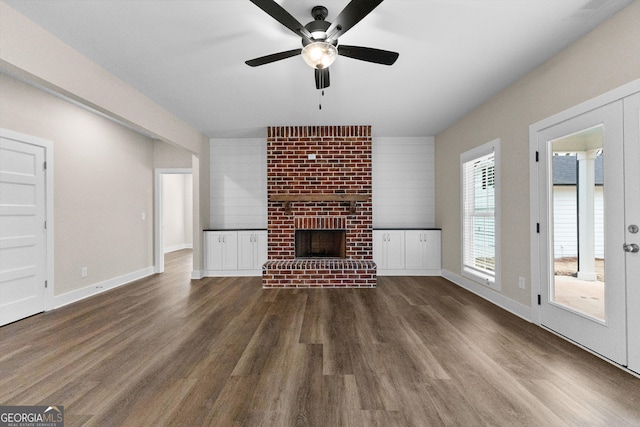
(521, 283)
(83, 271)
(143, 216)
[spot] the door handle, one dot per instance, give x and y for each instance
(633, 248)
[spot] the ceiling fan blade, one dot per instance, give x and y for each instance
(267, 59)
(368, 54)
(278, 13)
(350, 16)
(322, 78)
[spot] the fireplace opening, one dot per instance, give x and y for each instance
(321, 243)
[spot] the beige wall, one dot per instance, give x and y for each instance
(167, 156)
(103, 182)
(36, 56)
(604, 59)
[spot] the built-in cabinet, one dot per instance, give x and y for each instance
(388, 249)
(221, 250)
(252, 249)
(234, 252)
(414, 252)
(397, 252)
(422, 250)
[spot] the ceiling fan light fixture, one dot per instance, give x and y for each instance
(319, 54)
(319, 35)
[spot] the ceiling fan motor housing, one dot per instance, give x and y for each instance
(319, 13)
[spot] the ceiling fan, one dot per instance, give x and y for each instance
(320, 38)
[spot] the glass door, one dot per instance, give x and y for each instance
(577, 196)
(583, 282)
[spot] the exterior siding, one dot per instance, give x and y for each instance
(565, 221)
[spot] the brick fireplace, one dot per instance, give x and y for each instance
(319, 187)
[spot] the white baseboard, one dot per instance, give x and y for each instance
(96, 288)
(177, 248)
(490, 295)
(381, 272)
(232, 273)
(197, 274)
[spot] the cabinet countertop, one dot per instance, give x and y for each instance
(235, 229)
(406, 229)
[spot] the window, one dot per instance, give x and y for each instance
(480, 214)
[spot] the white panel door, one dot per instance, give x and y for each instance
(22, 230)
(632, 225)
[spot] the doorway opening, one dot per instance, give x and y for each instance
(173, 213)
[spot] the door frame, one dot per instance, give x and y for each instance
(614, 95)
(158, 244)
(534, 190)
(49, 303)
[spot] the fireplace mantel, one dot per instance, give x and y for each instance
(338, 197)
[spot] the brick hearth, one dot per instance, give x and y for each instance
(332, 191)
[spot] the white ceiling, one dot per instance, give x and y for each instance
(188, 56)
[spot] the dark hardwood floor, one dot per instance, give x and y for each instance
(223, 351)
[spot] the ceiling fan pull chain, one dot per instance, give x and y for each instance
(321, 92)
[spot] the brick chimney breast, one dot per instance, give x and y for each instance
(319, 177)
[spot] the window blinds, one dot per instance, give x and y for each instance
(479, 215)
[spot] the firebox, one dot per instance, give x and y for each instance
(320, 243)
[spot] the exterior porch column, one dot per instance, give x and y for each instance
(586, 215)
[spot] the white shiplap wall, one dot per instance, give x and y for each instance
(238, 183)
(403, 182)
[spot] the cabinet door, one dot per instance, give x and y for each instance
(423, 249)
(431, 249)
(394, 248)
(379, 239)
(260, 241)
(209, 242)
(252, 249)
(229, 250)
(246, 250)
(212, 251)
(414, 244)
